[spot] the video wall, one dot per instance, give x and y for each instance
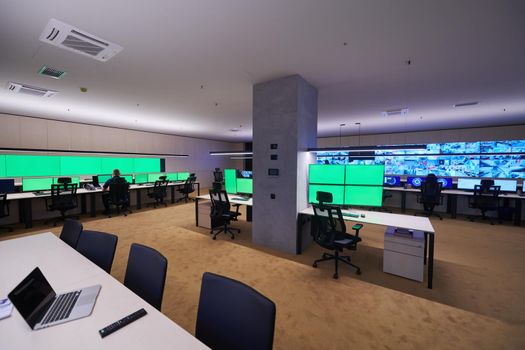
(237, 181)
(494, 159)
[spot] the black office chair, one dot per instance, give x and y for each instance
(486, 198)
(4, 210)
(63, 199)
(159, 192)
(329, 231)
(218, 180)
(430, 195)
(119, 197)
(99, 247)
(221, 214)
(64, 180)
(71, 232)
(188, 187)
(146, 274)
(233, 316)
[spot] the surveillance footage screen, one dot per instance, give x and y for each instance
(492, 159)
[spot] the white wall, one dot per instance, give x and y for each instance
(27, 132)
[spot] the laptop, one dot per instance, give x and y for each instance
(41, 307)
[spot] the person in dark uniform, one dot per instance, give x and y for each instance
(105, 189)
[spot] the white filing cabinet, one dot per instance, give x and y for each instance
(403, 254)
(204, 210)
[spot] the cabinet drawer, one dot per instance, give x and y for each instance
(400, 247)
(404, 265)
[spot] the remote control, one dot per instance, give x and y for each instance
(104, 332)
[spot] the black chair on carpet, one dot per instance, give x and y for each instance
(188, 187)
(159, 192)
(99, 247)
(218, 179)
(234, 316)
(221, 214)
(146, 274)
(63, 199)
(430, 195)
(119, 197)
(486, 198)
(71, 232)
(4, 210)
(329, 231)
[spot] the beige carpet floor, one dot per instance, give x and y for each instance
(478, 300)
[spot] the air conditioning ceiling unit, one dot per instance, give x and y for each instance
(67, 37)
(30, 90)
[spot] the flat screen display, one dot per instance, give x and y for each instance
(230, 180)
(37, 184)
(392, 181)
(364, 195)
(365, 175)
(506, 185)
(141, 178)
(245, 186)
(327, 174)
(172, 176)
(468, 184)
(337, 191)
(446, 182)
(415, 181)
(103, 178)
(246, 174)
(7, 185)
(182, 176)
(154, 177)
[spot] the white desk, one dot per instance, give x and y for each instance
(386, 219)
(65, 269)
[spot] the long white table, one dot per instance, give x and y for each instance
(385, 219)
(65, 269)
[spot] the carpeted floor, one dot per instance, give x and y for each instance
(477, 301)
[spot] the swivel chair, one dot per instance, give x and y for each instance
(218, 179)
(430, 195)
(4, 210)
(159, 192)
(71, 232)
(63, 198)
(188, 187)
(119, 196)
(99, 247)
(485, 198)
(221, 214)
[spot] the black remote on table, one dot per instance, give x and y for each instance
(121, 323)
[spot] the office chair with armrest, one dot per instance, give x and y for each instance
(329, 231)
(4, 210)
(146, 274)
(430, 195)
(233, 316)
(188, 187)
(63, 198)
(99, 247)
(119, 197)
(159, 192)
(485, 198)
(71, 232)
(218, 179)
(221, 214)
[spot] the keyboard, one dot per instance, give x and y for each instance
(62, 307)
(43, 193)
(351, 215)
(241, 198)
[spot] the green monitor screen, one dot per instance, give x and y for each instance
(327, 174)
(365, 175)
(103, 178)
(129, 178)
(80, 165)
(20, 166)
(2, 166)
(141, 178)
(172, 176)
(125, 165)
(364, 195)
(337, 191)
(154, 177)
(245, 186)
(37, 184)
(230, 180)
(182, 176)
(74, 180)
(145, 165)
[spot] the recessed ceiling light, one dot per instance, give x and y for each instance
(234, 130)
(466, 104)
(397, 111)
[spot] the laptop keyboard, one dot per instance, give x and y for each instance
(62, 307)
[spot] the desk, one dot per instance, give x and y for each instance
(231, 198)
(385, 219)
(25, 199)
(65, 270)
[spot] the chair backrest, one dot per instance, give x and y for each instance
(486, 197)
(119, 191)
(431, 190)
(146, 273)
(189, 184)
(71, 232)
(324, 197)
(160, 188)
(64, 194)
(232, 315)
(99, 247)
(220, 203)
(4, 207)
(64, 180)
(217, 175)
(486, 183)
(328, 220)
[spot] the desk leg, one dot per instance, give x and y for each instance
(425, 249)
(454, 204)
(139, 198)
(430, 260)
(249, 213)
(196, 211)
(198, 189)
(28, 213)
(403, 201)
(299, 242)
(517, 211)
(172, 194)
(93, 204)
(83, 209)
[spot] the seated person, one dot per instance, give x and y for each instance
(105, 189)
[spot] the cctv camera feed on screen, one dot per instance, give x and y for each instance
(493, 159)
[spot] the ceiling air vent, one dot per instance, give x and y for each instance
(73, 39)
(466, 104)
(30, 90)
(51, 72)
(392, 112)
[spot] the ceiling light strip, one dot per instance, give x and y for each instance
(369, 148)
(35, 150)
(231, 153)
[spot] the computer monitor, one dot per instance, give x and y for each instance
(141, 178)
(246, 174)
(128, 178)
(392, 181)
(326, 174)
(446, 182)
(468, 183)
(364, 195)
(337, 191)
(415, 181)
(7, 185)
(244, 186)
(154, 177)
(36, 184)
(183, 176)
(103, 178)
(74, 180)
(172, 176)
(365, 175)
(507, 185)
(230, 180)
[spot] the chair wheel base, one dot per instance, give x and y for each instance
(336, 275)
(358, 272)
(314, 265)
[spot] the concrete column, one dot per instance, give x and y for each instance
(285, 115)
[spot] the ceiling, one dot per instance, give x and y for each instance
(188, 66)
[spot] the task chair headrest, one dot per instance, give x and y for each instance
(324, 197)
(163, 178)
(431, 178)
(64, 180)
(487, 183)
